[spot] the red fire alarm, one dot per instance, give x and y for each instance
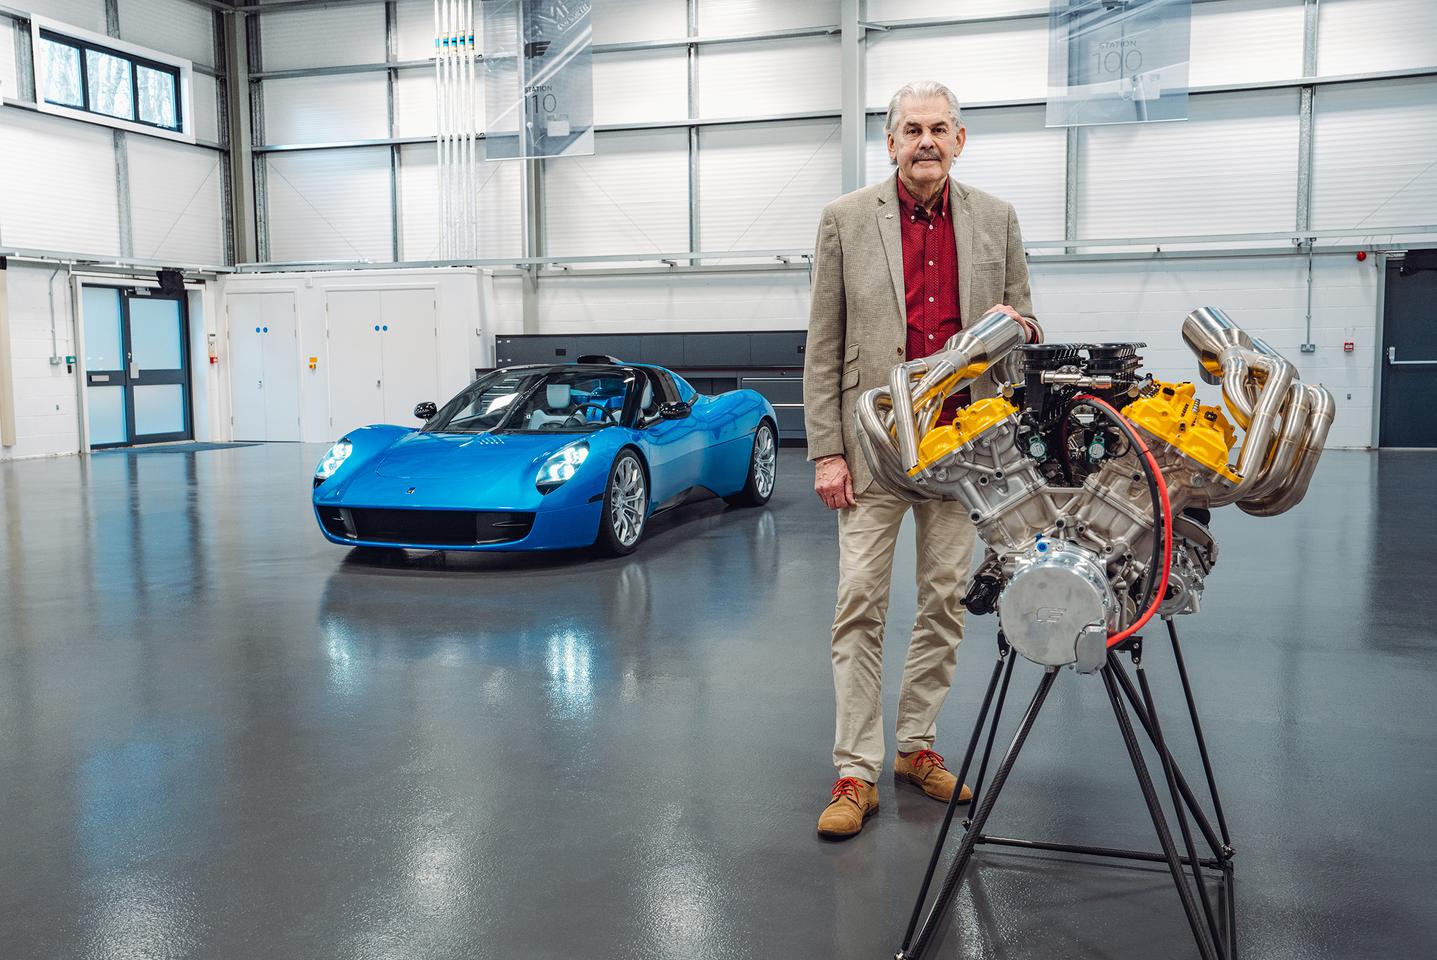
(1361, 255)
(1348, 346)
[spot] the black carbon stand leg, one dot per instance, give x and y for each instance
(1231, 891)
(1168, 768)
(1155, 809)
(1201, 740)
(1003, 655)
(992, 736)
(985, 807)
(1219, 849)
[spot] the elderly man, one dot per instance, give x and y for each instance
(899, 266)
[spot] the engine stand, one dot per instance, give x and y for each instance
(1214, 926)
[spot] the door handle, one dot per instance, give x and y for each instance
(1393, 361)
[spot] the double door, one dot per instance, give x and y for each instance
(137, 376)
(383, 356)
(264, 366)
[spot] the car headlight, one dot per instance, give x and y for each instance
(561, 466)
(334, 459)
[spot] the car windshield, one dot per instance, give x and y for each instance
(536, 400)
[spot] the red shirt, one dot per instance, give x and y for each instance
(930, 280)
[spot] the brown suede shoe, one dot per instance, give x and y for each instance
(854, 801)
(925, 768)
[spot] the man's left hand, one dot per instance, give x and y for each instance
(1035, 332)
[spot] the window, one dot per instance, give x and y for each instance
(91, 78)
(109, 81)
(62, 74)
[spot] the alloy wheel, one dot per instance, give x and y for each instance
(628, 502)
(765, 460)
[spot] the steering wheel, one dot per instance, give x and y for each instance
(578, 420)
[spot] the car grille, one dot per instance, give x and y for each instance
(449, 528)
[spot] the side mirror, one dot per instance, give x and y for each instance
(425, 410)
(674, 410)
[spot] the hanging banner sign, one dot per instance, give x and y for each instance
(538, 78)
(1118, 61)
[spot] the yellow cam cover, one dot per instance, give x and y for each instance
(1174, 415)
(968, 424)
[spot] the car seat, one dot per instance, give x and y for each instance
(558, 406)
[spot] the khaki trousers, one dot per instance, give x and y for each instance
(867, 534)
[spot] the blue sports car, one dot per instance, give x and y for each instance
(547, 457)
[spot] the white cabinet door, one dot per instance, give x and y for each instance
(356, 366)
(279, 336)
(409, 333)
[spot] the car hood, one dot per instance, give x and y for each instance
(439, 456)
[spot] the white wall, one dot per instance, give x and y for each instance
(464, 338)
(1267, 296)
(1230, 168)
(62, 175)
(47, 406)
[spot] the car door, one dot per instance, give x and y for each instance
(690, 436)
(665, 441)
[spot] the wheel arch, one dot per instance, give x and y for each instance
(643, 464)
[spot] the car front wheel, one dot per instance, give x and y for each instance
(626, 506)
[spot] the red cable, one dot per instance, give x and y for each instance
(1162, 591)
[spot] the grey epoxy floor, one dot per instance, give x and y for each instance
(221, 736)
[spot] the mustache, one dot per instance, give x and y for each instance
(926, 155)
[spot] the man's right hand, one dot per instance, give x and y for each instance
(832, 482)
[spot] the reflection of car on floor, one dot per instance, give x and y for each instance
(547, 457)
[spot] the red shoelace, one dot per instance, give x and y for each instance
(929, 758)
(846, 787)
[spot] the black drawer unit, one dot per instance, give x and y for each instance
(767, 361)
(787, 391)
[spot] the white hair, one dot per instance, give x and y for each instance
(921, 90)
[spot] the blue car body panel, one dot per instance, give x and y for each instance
(392, 468)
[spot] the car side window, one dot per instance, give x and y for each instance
(649, 401)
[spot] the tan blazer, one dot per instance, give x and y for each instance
(857, 321)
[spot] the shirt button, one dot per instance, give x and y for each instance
(930, 299)
(930, 336)
(930, 263)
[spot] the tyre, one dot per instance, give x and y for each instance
(626, 506)
(762, 469)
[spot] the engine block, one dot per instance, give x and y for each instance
(1091, 483)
